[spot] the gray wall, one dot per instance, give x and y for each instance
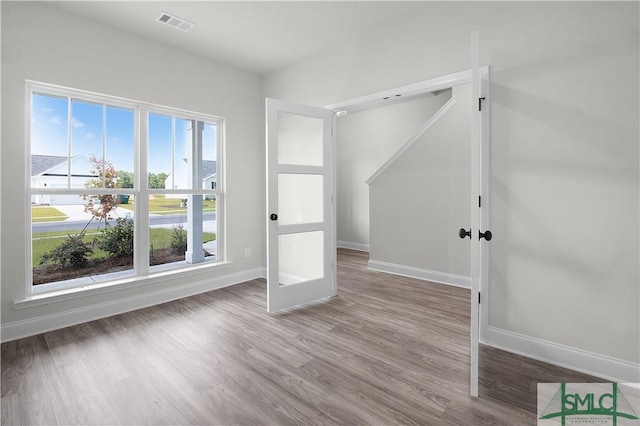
(564, 155)
(364, 141)
(422, 199)
(44, 44)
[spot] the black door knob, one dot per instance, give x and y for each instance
(486, 235)
(273, 216)
(462, 233)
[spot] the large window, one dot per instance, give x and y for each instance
(119, 189)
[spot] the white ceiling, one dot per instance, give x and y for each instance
(257, 36)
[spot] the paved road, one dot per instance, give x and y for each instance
(77, 225)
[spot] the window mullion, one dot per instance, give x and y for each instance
(103, 161)
(173, 152)
(69, 139)
(141, 222)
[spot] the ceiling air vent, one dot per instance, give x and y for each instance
(174, 21)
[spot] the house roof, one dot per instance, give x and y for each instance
(42, 163)
(208, 168)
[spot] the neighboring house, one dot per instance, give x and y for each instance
(52, 171)
(209, 172)
(181, 178)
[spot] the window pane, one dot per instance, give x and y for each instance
(71, 248)
(182, 156)
(300, 198)
(120, 144)
(49, 139)
(87, 156)
(299, 139)
(176, 223)
(300, 257)
(160, 151)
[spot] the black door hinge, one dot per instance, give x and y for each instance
(480, 103)
(478, 298)
(479, 201)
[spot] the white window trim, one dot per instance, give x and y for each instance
(116, 285)
(142, 273)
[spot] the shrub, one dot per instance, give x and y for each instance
(73, 251)
(178, 239)
(117, 240)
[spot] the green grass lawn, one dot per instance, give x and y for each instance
(161, 237)
(44, 242)
(162, 205)
(46, 214)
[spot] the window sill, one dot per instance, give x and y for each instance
(116, 285)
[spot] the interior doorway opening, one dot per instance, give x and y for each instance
(478, 77)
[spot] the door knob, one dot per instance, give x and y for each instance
(486, 235)
(462, 233)
(273, 216)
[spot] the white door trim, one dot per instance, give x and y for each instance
(402, 93)
(431, 85)
(474, 229)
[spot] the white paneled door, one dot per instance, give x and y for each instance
(301, 253)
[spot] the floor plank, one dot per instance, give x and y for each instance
(386, 350)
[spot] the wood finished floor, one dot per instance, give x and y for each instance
(387, 350)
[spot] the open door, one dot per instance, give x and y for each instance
(301, 243)
(479, 233)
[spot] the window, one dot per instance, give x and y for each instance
(186, 149)
(113, 197)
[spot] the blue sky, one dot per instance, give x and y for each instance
(50, 126)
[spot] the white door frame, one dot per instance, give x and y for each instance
(479, 187)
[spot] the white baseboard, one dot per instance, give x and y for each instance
(602, 366)
(423, 274)
(353, 246)
(41, 324)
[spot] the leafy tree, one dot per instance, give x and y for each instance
(100, 206)
(125, 179)
(157, 181)
(161, 179)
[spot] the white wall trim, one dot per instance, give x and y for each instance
(602, 366)
(422, 274)
(408, 91)
(80, 291)
(353, 246)
(413, 139)
(41, 324)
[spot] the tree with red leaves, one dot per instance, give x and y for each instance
(101, 206)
